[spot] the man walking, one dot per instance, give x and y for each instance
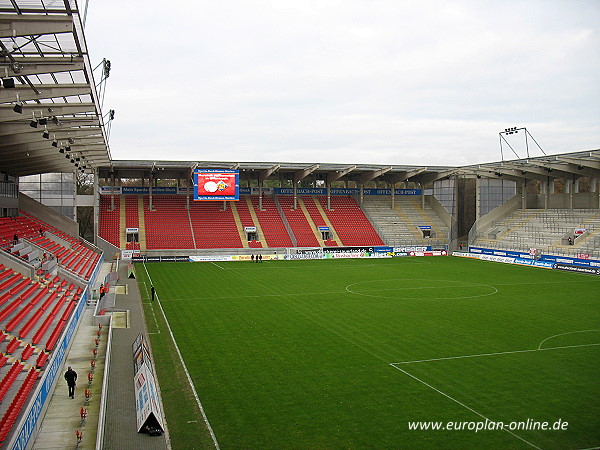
(71, 377)
(152, 291)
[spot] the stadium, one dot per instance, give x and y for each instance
(232, 304)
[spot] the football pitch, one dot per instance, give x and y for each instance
(368, 353)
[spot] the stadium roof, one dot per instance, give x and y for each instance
(47, 76)
(564, 165)
(264, 170)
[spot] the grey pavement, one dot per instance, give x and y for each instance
(63, 418)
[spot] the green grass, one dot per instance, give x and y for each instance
(296, 354)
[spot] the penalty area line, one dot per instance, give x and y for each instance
(461, 404)
(494, 354)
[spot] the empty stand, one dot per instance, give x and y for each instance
(213, 227)
(544, 230)
(302, 229)
(350, 223)
(168, 224)
(271, 223)
(110, 220)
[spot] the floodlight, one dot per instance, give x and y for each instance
(9, 83)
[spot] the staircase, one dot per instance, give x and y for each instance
(400, 226)
(142, 224)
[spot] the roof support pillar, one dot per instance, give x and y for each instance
(360, 193)
(477, 198)
(96, 206)
(187, 183)
(150, 186)
(569, 188)
(295, 186)
(112, 193)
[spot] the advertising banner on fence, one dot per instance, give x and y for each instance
(430, 253)
(547, 258)
(579, 269)
(143, 258)
(323, 191)
(147, 404)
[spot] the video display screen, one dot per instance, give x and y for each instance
(215, 184)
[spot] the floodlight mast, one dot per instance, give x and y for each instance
(515, 130)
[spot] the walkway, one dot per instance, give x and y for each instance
(63, 418)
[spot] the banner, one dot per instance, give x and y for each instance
(147, 404)
(140, 190)
(431, 253)
(143, 258)
(579, 269)
(323, 191)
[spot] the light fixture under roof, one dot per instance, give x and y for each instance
(8, 82)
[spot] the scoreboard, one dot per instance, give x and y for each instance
(216, 184)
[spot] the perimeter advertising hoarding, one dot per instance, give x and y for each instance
(147, 403)
(214, 185)
(543, 257)
(323, 191)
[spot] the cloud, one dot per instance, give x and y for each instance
(354, 81)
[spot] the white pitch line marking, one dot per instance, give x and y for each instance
(187, 373)
(496, 353)
(564, 334)
(464, 285)
(214, 263)
(462, 404)
(151, 308)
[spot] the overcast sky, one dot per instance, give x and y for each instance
(351, 81)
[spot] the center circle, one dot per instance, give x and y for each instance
(420, 288)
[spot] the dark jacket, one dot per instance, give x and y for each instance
(70, 376)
